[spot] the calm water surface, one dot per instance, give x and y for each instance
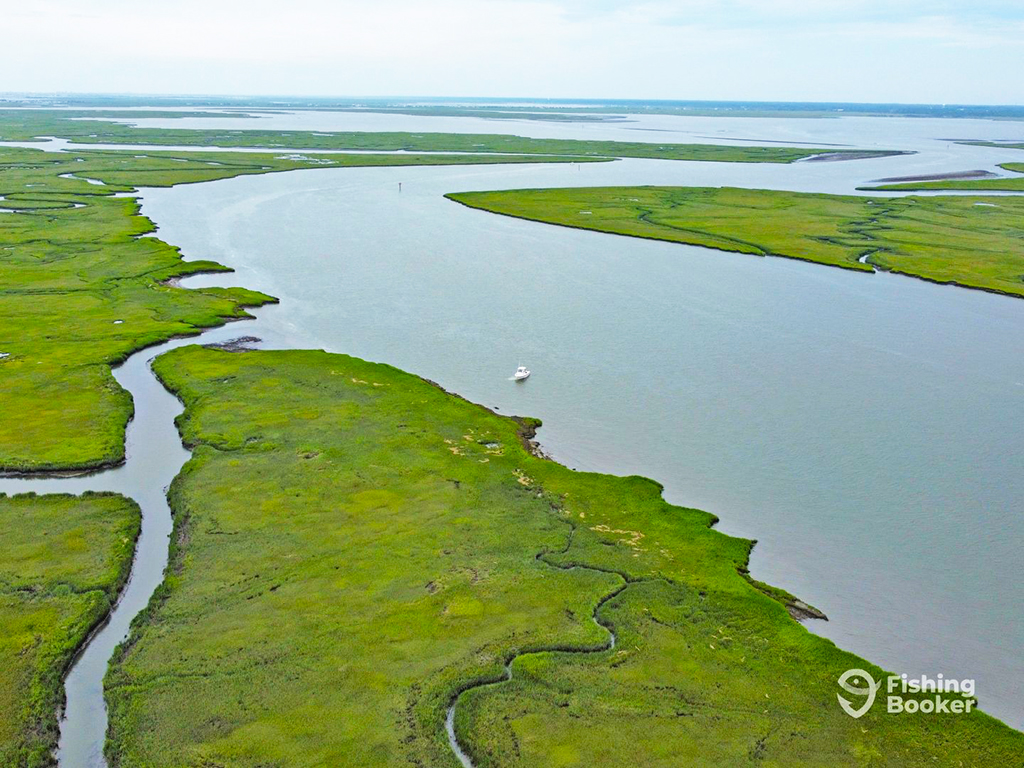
(866, 429)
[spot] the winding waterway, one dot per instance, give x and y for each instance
(609, 644)
(866, 429)
(154, 456)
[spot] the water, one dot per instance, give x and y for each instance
(866, 429)
(860, 132)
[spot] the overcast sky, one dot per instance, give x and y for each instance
(800, 50)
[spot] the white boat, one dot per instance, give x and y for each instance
(521, 373)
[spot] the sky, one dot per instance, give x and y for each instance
(907, 51)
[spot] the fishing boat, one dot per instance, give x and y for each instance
(521, 373)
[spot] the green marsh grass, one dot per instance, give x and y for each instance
(24, 125)
(354, 547)
(63, 561)
(1008, 184)
(974, 242)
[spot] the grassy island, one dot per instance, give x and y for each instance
(995, 144)
(64, 560)
(77, 126)
(355, 548)
(1008, 184)
(973, 242)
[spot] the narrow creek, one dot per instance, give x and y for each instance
(449, 722)
(154, 455)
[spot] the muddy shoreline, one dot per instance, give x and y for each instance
(953, 175)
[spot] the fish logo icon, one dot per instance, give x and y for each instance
(870, 690)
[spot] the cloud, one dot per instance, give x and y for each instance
(866, 50)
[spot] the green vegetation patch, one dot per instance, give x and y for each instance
(1008, 184)
(354, 547)
(996, 144)
(968, 241)
(63, 561)
(81, 288)
(24, 125)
